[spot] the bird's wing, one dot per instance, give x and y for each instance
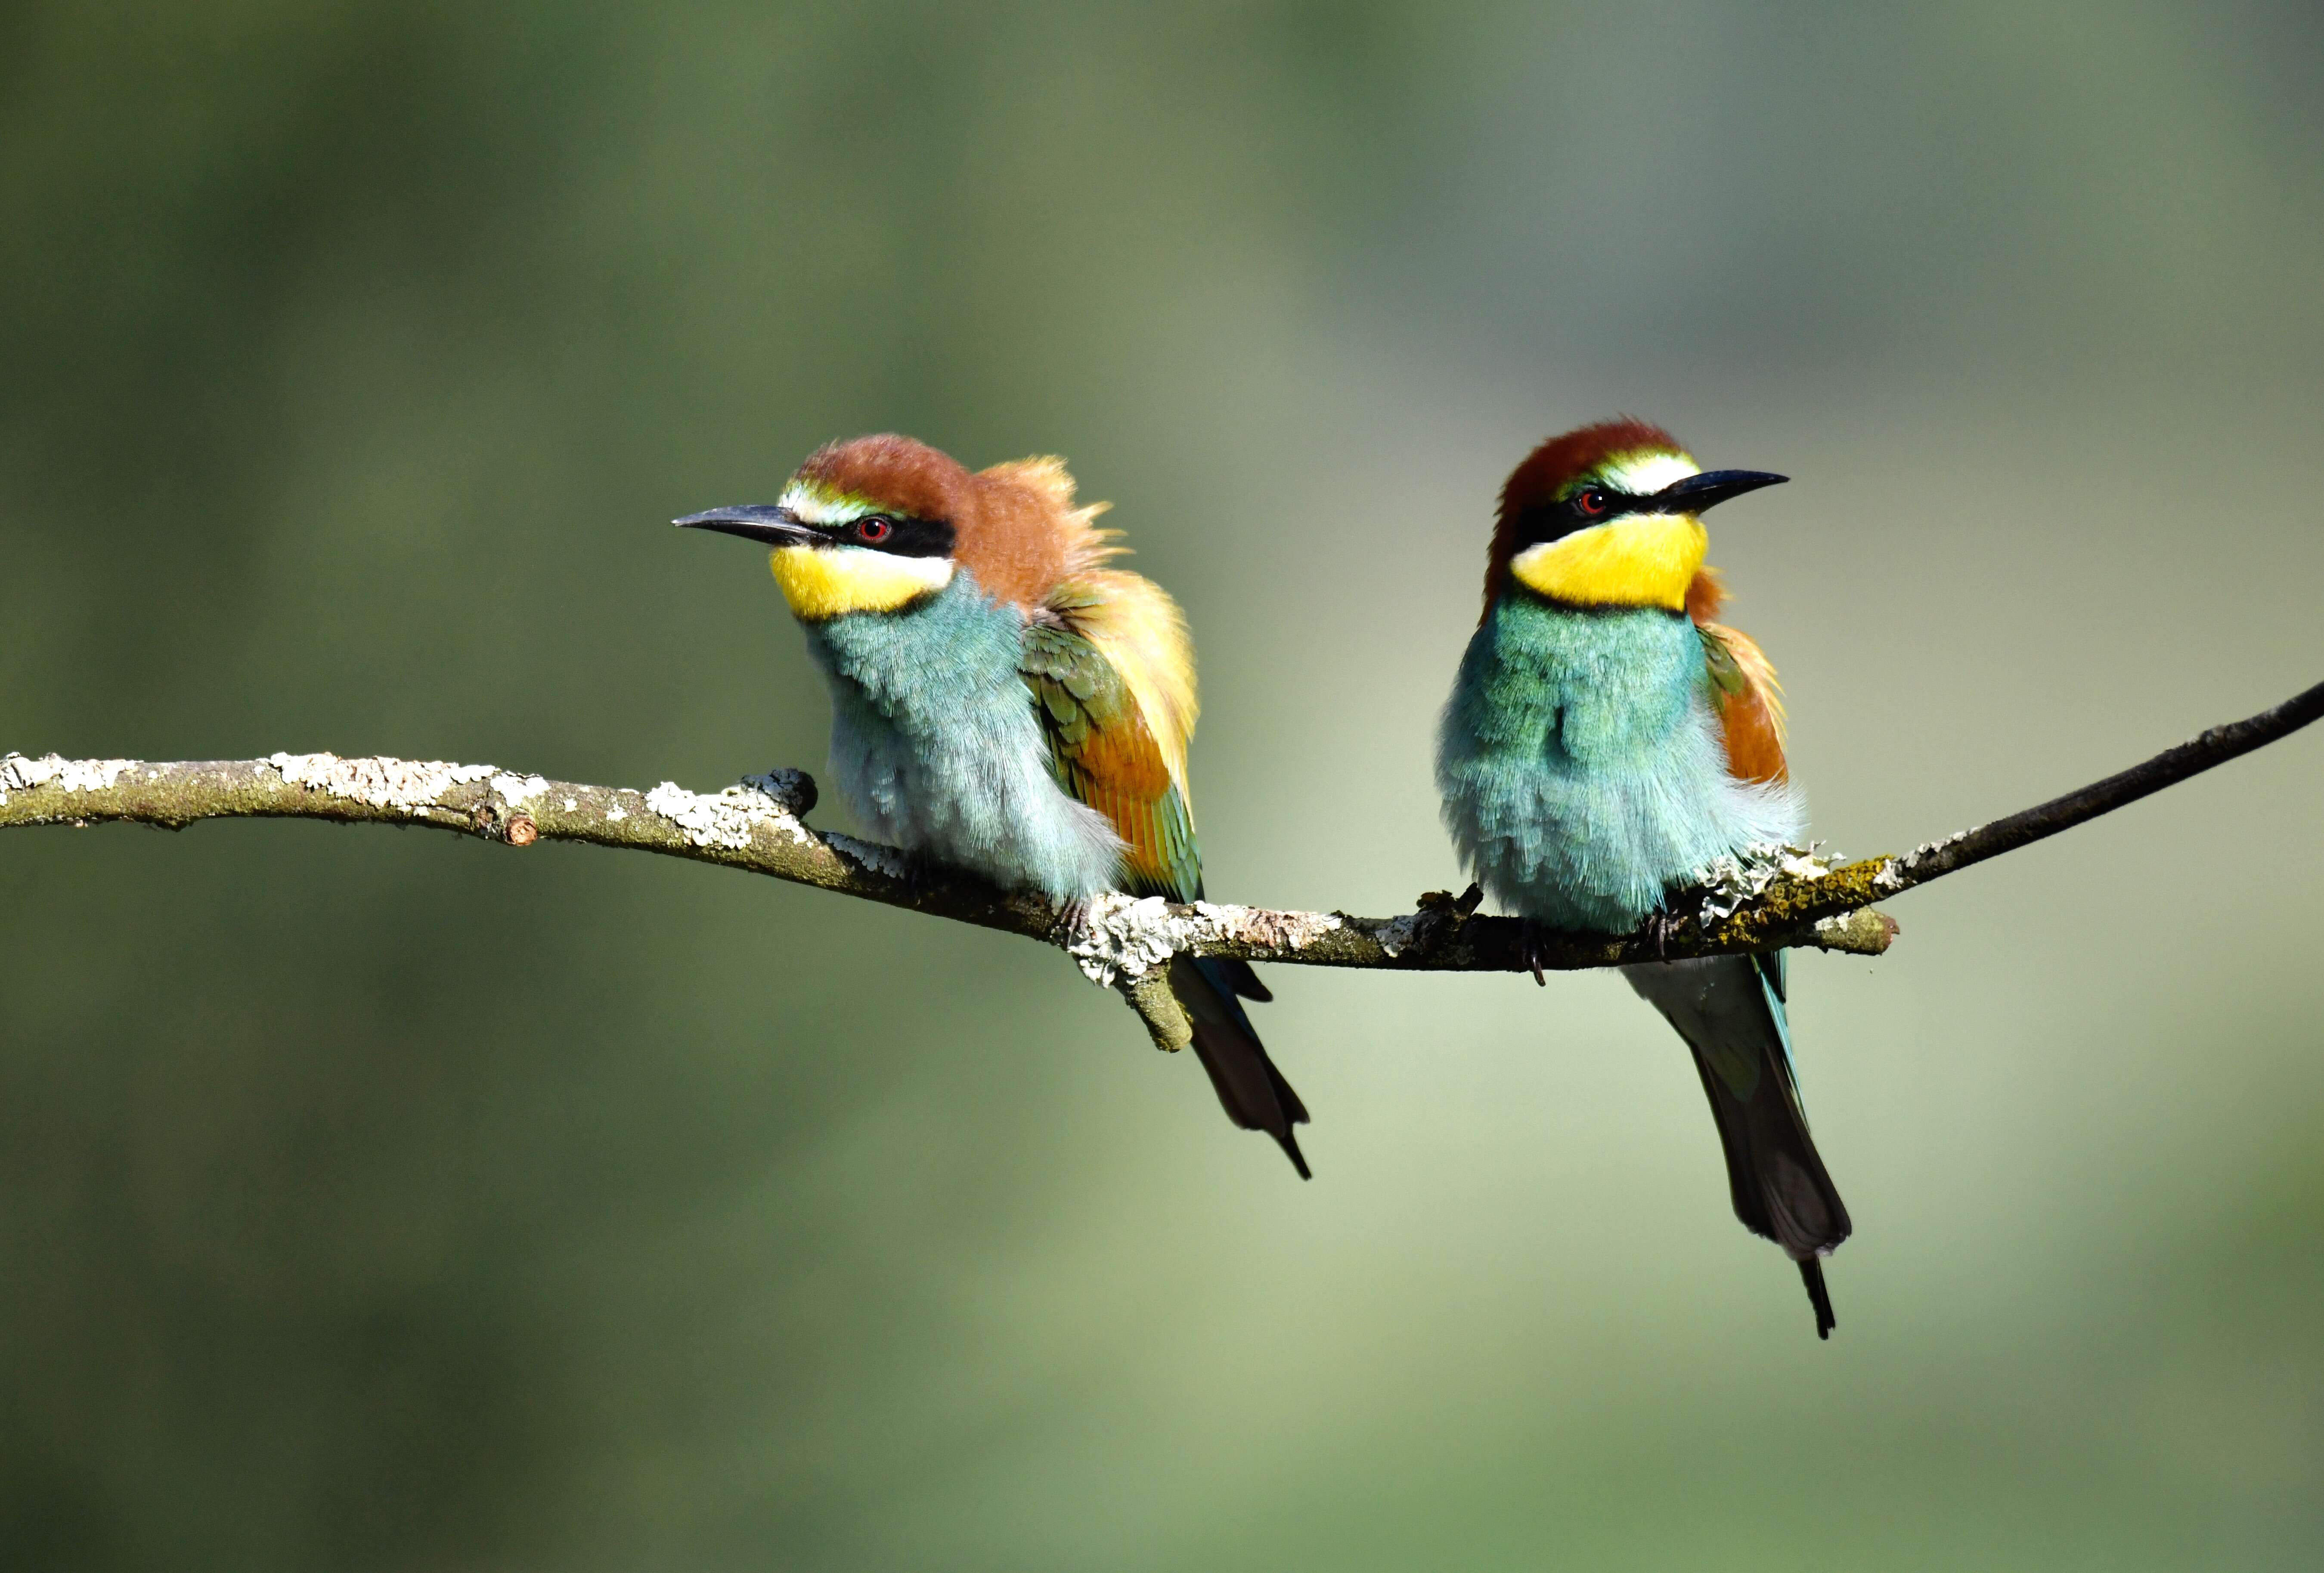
(1743, 686)
(1114, 689)
(1750, 701)
(1112, 677)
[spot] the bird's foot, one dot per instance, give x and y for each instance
(1071, 919)
(1661, 926)
(1532, 948)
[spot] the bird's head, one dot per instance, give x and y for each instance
(1609, 516)
(877, 523)
(862, 526)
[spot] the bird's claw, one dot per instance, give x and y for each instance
(1071, 917)
(1532, 948)
(1661, 926)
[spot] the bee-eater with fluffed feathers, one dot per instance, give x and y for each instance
(1005, 702)
(1607, 739)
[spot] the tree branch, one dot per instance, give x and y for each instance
(1787, 898)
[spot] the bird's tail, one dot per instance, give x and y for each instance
(1253, 1091)
(1730, 1011)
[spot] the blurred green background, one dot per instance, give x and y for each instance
(379, 1200)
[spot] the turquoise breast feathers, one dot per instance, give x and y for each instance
(1581, 767)
(935, 745)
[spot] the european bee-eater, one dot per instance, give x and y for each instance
(1607, 739)
(1004, 702)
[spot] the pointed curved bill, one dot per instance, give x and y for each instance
(768, 523)
(1711, 488)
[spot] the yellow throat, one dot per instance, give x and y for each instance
(826, 582)
(1641, 559)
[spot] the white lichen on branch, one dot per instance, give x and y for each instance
(1122, 937)
(1898, 875)
(413, 786)
(1729, 883)
(871, 857)
(732, 819)
(19, 774)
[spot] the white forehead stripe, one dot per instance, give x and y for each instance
(1644, 475)
(812, 504)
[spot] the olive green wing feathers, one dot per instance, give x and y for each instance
(1104, 747)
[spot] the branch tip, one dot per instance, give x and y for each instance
(1149, 995)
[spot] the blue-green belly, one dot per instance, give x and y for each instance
(936, 747)
(1581, 767)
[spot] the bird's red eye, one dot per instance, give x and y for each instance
(872, 529)
(1592, 502)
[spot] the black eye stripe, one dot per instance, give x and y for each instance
(907, 537)
(1549, 522)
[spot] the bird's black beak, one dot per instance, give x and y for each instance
(768, 523)
(1711, 488)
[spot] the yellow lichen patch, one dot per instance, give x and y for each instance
(826, 582)
(1645, 559)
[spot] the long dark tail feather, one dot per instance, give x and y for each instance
(1775, 1176)
(1251, 1088)
(1730, 1011)
(1812, 1272)
(1241, 978)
